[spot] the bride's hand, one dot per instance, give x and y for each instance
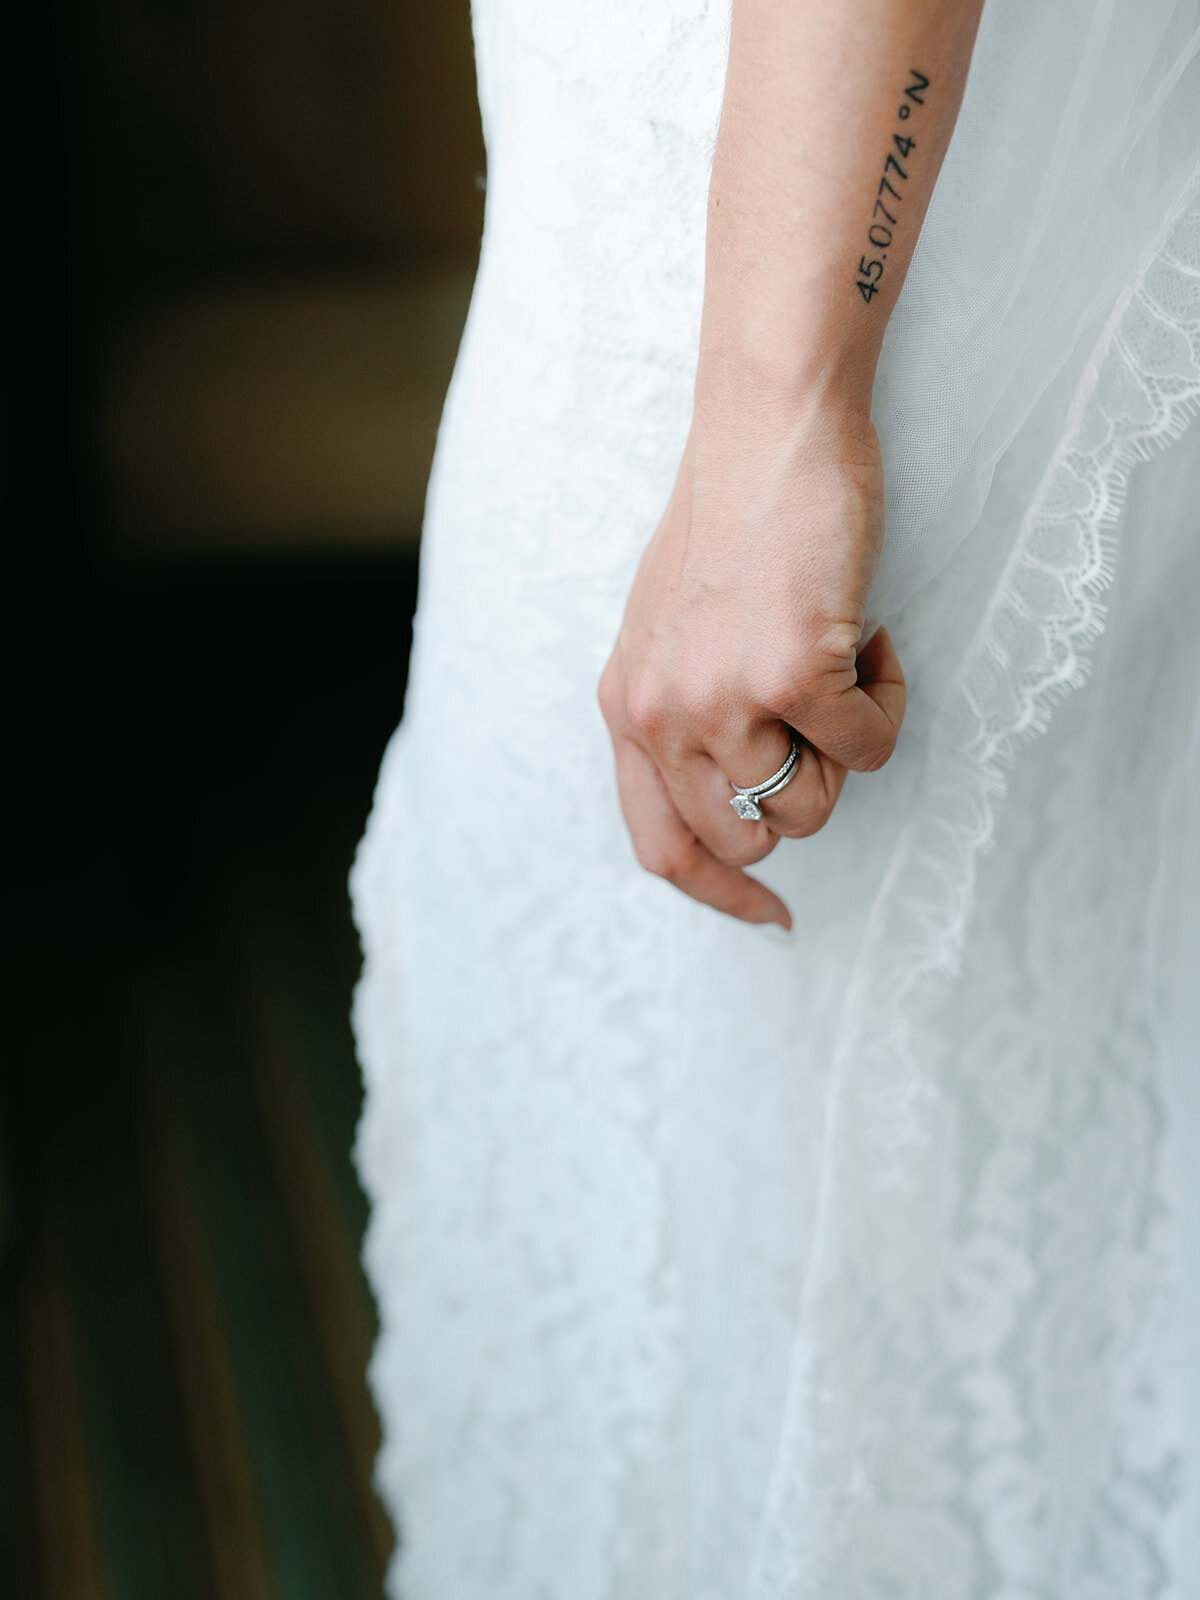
(745, 620)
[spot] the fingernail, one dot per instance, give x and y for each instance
(776, 932)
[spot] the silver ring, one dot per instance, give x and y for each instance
(746, 796)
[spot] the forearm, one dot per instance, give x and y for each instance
(746, 624)
(836, 117)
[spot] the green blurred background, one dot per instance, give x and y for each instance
(238, 316)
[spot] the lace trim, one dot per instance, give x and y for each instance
(1139, 392)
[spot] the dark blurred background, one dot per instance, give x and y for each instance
(252, 233)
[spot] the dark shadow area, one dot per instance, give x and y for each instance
(181, 1292)
(213, 562)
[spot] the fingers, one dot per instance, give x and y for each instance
(699, 788)
(806, 805)
(855, 724)
(702, 792)
(678, 738)
(881, 677)
(674, 775)
(667, 847)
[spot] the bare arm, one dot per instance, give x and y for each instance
(746, 617)
(836, 117)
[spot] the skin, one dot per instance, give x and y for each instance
(747, 615)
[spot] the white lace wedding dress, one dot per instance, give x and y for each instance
(712, 1268)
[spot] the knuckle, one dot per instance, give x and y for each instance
(810, 818)
(645, 706)
(706, 707)
(836, 643)
(785, 683)
(740, 853)
(607, 696)
(746, 855)
(879, 754)
(667, 859)
(822, 665)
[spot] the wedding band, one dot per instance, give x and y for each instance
(746, 796)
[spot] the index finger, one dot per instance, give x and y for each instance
(667, 847)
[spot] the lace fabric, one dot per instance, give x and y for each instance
(850, 1270)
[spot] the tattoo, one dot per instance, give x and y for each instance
(870, 273)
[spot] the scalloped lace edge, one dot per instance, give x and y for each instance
(995, 703)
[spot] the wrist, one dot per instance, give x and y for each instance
(747, 374)
(785, 338)
(780, 318)
(745, 388)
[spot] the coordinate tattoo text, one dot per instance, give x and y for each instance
(889, 197)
